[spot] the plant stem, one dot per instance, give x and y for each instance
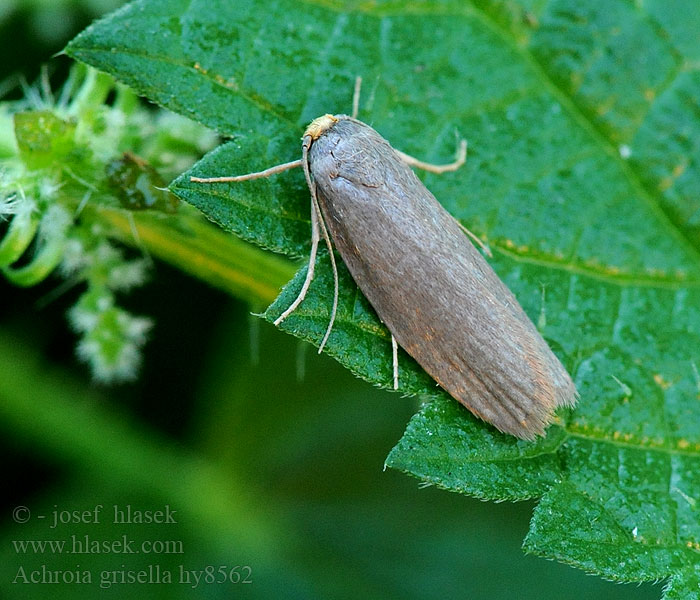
(200, 249)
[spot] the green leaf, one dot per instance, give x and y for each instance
(273, 213)
(42, 136)
(684, 586)
(583, 129)
(447, 448)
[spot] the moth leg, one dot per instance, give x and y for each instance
(453, 166)
(315, 238)
(356, 97)
(318, 228)
(431, 168)
(248, 176)
(395, 360)
(483, 245)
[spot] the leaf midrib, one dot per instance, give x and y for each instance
(630, 445)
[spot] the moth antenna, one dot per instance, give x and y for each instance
(356, 97)
(438, 169)
(315, 238)
(248, 176)
(395, 360)
(318, 229)
(317, 216)
(324, 232)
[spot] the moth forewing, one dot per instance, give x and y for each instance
(434, 291)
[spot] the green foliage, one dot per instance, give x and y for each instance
(63, 163)
(279, 474)
(583, 127)
(51, 20)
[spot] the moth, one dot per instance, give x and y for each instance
(434, 291)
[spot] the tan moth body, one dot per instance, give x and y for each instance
(434, 291)
(437, 295)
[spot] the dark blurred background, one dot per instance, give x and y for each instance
(270, 456)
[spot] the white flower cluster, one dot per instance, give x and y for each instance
(111, 337)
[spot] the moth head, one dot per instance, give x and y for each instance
(319, 126)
